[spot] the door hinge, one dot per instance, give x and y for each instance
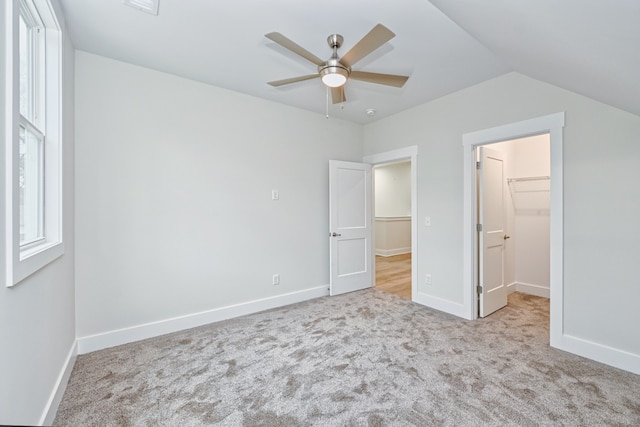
(477, 165)
(478, 228)
(479, 289)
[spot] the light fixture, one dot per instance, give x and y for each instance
(333, 73)
(334, 76)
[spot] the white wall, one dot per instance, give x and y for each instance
(393, 189)
(37, 324)
(601, 197)
(173, 190)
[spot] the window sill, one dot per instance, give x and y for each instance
(33, 260)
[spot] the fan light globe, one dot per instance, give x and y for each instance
(334, 76)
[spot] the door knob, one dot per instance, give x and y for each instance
(334, 234)
(506, 236)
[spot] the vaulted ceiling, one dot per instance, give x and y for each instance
(591, 47)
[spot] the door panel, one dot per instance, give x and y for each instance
(351, 197)
(491, 215)
(350, 226)
(351, 256)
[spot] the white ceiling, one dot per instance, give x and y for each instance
(591, 47)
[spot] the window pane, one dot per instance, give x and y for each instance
(31, 174)
(26, 71)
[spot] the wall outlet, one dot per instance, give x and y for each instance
(275, 280)
(427, 279)
(275, 195)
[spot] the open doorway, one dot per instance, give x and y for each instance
(392, 216)
(513, 213)
(409, 155)
(552, 124)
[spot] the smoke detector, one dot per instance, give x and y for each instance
(370, 112)
(147, 6)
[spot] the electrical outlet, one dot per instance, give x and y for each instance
(275, 280)
(427, 279)
(275, 195)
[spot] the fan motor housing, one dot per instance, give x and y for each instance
(333, 65)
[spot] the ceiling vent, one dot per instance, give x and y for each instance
(147, 6)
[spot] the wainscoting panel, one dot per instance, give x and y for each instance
(393, 235)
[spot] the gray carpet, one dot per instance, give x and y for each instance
(362, 359)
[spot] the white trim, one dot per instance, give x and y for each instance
(392, 252)
(552, 124)
(393, 218)
(600, 353)
(108, 339)
(528, 288)
(556, 236)
(535, 126)
(392, 156)
(447, 306)
(406, 153)
(51, 409)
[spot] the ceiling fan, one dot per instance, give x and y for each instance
(335, 71)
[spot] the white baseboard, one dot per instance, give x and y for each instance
(600, 353)
(103, 340)
(511, 288)
(537, 290)
(441, 304)
(50, 411)
(392, 252)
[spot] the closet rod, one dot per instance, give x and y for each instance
(529, 178)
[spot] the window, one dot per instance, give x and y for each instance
(34, 139)
(31, 132)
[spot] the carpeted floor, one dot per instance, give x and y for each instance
(362, 359)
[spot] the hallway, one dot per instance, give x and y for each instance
(393, 274)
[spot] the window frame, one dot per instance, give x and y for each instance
(24, 260)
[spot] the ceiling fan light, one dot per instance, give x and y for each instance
(334, 76)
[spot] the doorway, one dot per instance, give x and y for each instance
(514, 182)
(409, 155)
(552, 124)
(392, 227)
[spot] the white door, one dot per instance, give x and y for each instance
(350, 226)
(491, 237)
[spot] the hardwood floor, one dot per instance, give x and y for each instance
(393, 274)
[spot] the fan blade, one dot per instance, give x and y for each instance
(294, 47)
(378, 36)
(337, 95)
(381, 79)
(293, 80)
